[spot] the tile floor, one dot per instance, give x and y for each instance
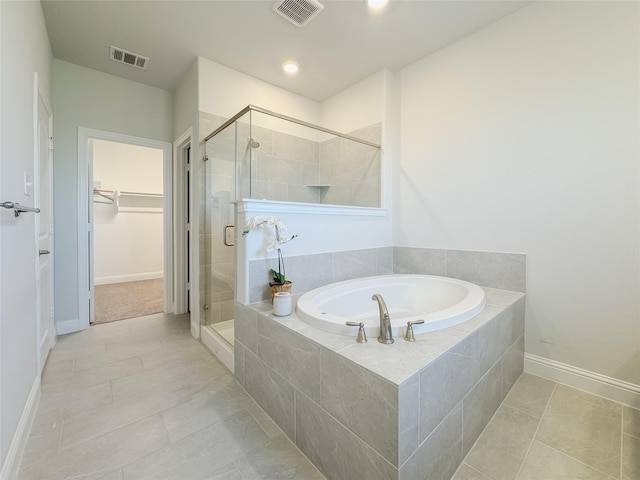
(141, 399)
(548, 431)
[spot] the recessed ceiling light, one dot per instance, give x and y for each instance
(376, 4)
(290, 67)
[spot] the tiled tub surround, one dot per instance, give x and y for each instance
(504, 271)
(312, 271)
(373, 411)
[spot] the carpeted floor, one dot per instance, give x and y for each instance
(117, 301)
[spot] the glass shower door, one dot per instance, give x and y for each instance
(218, 234)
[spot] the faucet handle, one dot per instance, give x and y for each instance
(362, 336)
(409, 337)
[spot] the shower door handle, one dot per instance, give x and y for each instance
(228, 239)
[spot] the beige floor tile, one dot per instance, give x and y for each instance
(278, 459)
(201, 468)
(631, 421)
(113, 475)
(96, 376)
(183, 349)
(530, 394)
(103, 454)
(57, 370)
(222, 443)
(501, 449)
(114, 354)
(584, 427)
(465, 472)
(184, 372)
(98, 421)
(545, 463)
(630, 457)
(41, 449)
(212, 405)
(54, 408)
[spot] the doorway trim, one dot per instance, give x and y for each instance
(85, 136)
(182, 152)
(42, 203)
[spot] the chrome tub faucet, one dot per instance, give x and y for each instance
(385, 322)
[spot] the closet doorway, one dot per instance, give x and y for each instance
(126, 197)
(128, 243)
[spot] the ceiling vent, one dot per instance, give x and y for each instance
(298, 12)
(122, 56)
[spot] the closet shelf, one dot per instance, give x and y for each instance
(143, 202)
(318, 185)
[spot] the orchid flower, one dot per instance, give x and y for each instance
(262, 221)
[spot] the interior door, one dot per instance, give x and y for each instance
(45, 229)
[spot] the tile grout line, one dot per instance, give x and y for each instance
(555, 449)
(578, 461)
(621, 441)
(535, 434)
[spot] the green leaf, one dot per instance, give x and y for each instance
(278, 278)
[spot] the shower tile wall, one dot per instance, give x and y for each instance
(283, 167)
(217, 181)
(352, 169)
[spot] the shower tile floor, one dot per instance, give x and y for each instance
(225, 330)
(141, 399)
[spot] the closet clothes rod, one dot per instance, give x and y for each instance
(141, 194)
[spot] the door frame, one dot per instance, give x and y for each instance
(39, 96)
(181, 264)
(85, 235)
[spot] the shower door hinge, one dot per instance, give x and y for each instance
(205, 158)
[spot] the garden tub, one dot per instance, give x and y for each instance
(440, 301)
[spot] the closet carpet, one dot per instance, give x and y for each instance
(117, 301)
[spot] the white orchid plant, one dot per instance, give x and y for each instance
(256, 223)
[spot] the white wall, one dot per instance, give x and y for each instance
(128, 243)
(223, 91)
(358, 106)
(25, 50)
(524, 137)
(185, 102)
(91, 99)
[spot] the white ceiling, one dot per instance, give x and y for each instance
(344, 44)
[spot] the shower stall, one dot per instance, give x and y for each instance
(259, 154)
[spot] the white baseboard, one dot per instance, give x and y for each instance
(132, 277)
(70, 326)
(608, 387)
(218, 347)
(19, 441)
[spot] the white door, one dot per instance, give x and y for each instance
(44, 227)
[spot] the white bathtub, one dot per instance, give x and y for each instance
(441, 302)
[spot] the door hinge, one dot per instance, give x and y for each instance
(50, 143)
(52, 316)
(188, 285)
(51, 228)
